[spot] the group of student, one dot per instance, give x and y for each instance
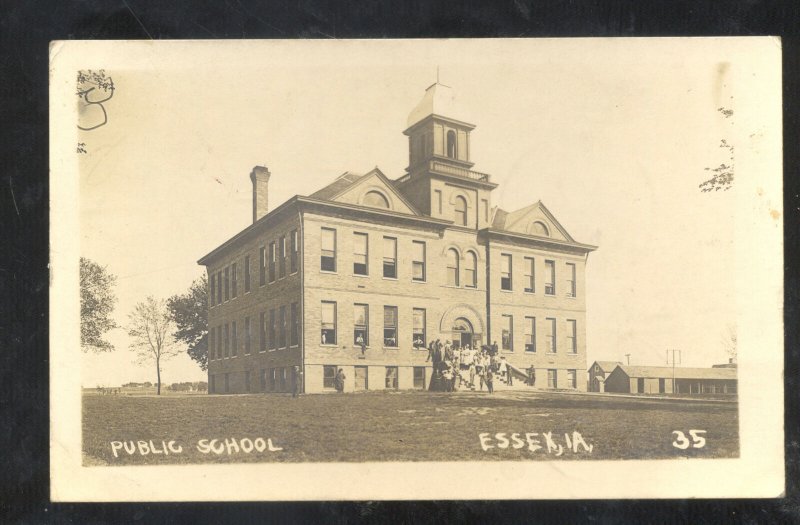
(454, 368)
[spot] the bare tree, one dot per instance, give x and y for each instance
(729, 340)
(151, 327)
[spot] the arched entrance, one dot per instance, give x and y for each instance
(463, 325)
(464, 334)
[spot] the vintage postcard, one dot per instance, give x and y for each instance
(429, 269)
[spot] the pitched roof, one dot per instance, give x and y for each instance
(607, 366)
(342, 182)
(680, 372)
(438, 100)
(499, 220)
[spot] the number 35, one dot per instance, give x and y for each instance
(682, 442)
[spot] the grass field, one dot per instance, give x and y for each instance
(401, 426)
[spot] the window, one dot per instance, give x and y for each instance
(328, 376)
(219, 287)
(419, 377)
(530, 334)
(539, 228)
(485, 204)
(572, 379)
(227, 383)
(234, 284)
(262, 266)
(234, 340)
(247, 381)
(295, 251)
(262, 342)
(294, 334)
(272, 261)
(552, 378)
(263, 379)
(328, 323)
(390, 326)
(273, 379)
(282, 327)
(572, 336)
(282, 257)
(376, 200)
(227, 273)
(213, 290)
(246, 273)
(505, 271)
(212, 344)
(551, 335)
(452, 267)
(360, 254)
(640, 386)
(550, 278)
(507, 333)
(226, 339)
(438, 194)
(418, 261)
(247, 335)
(212, 386)
(219, 342)
(282, 375)
(662, 387)
(461, 211)
(451, 144)
(390, 257)
(530, 275)
(328, 259)
(571, 291)
(360, 325)
(418, 335)
(272, 339)
(471, 271)
(391, 378)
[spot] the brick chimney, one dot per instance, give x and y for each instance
(260, 178)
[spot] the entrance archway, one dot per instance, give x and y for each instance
(462, 324)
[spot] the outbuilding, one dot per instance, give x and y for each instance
(666, 380)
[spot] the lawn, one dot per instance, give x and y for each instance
(399, 426)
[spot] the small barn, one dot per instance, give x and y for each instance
(598, 373)
(660, 379)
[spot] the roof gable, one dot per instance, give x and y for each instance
(535, 219)
(370, 190)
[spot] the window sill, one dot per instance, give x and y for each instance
(529, 292)
(331, 272)
(361, 275)
(502, 290)
(419, 281)
(328, 345)
(391, 348)
(389, 278)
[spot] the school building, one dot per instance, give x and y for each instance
(660, 380)
(364, 272)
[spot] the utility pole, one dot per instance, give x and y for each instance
(629, 358)
(671, 358)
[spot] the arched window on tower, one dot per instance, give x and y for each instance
(470, 272)
(452, 267)
(451, 144)
(461, 211)
(376, 200)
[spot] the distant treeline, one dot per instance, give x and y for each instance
(186, 386)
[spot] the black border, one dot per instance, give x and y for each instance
(25, 31)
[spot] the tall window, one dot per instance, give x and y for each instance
(272, 339)
(418, 262)
(295, 247)
(227, 283)
(213, 290)
(262, 267)
(226, 340)
(219, 342)
(247, 381)
(212, 344)
(328, 323)
(247, 335)
(552, 378)
(451, 144)
(360, 254)
(572, 335)
(234, 340)
(219, 287)
(234, 282)
(263, 379)
(360, 325)
(391, 378)
(530, 334)
(246, 273)
(438, 200)
(571, 291)
(507, 334)
(418, 335)
(294, 333)
(461, 211)
(505, 271)
(390, 257)
(262, 336)
(485, 204)
(390, 326)
(471, 270)
(272, 257)
(530, 275)
(550, 278)
(551, 335)
(282, 257)
(282, 327)
(419, 377)
(328, 260)
(572, 378)
(452, 267)
(328, 376)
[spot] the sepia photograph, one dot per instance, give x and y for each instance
(416, 269)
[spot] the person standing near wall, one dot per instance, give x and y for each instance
(298, 381)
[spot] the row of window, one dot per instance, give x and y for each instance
(529, 275)
(274, 259)
(361, 379)
(551, 334)
(270, 380)
(552, 378)
(361, 337)
(278, 328)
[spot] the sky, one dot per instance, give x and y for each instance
(612, 137)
